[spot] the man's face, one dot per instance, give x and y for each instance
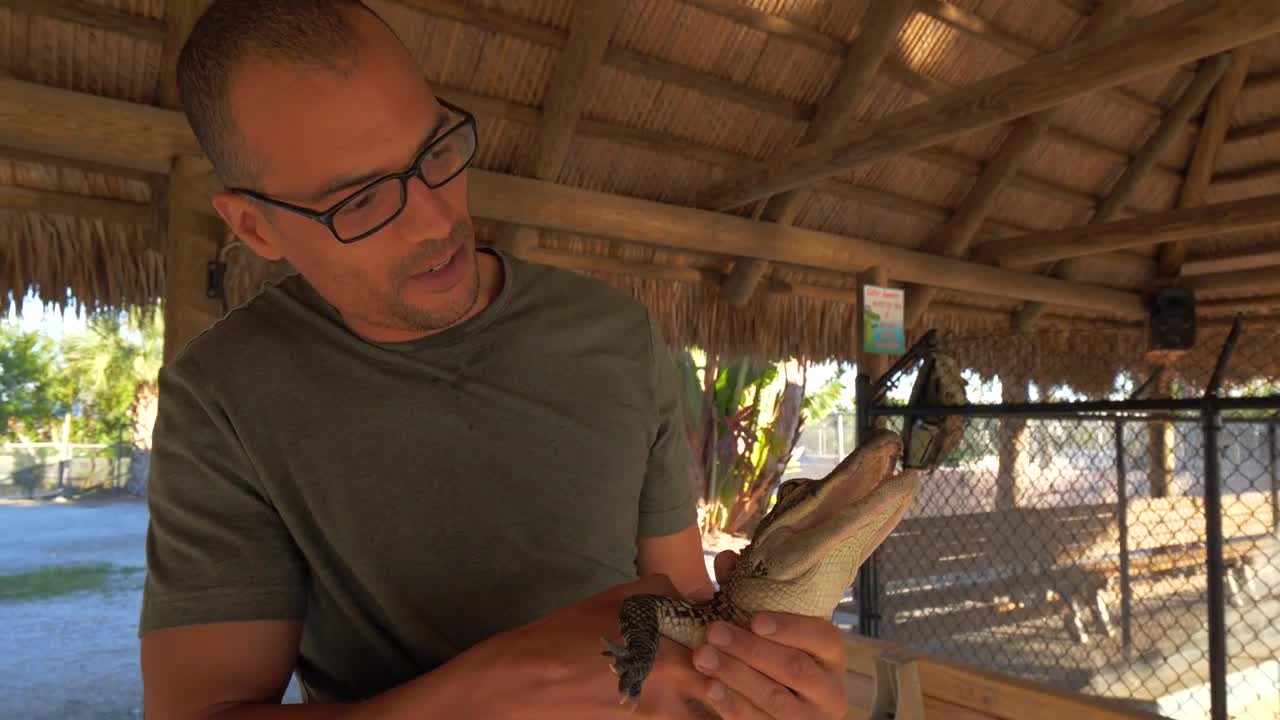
(318, 135)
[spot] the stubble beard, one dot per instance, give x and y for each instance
(460, 299)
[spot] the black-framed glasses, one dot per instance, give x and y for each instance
(374, 206)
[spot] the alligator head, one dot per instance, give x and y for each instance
(806, 551)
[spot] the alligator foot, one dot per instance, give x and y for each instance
(633, 660)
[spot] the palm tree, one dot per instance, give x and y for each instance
(114, 364)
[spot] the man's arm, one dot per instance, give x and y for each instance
(679, 557)
(240, 670)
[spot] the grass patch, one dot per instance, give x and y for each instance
(50, 582)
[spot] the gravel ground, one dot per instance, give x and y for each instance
(73, 656)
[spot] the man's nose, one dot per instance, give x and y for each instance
(428, 212)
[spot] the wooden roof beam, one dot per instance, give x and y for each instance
(1211, 71)
(1192, 29)
(507, 198)
(1217, 121)
(572, 82)
(43, 119)
(1236, 281)
(93, 15)
(1192, 223)
(85, 207)
(1235, 261)
(883, 23)
(17, 154)
(954, 238)
(1257, 131)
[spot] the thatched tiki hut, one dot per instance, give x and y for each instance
(1032, 173)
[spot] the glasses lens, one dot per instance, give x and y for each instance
(369, 209)
(448, 156)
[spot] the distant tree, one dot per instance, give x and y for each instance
(29, 389)
(114, 364)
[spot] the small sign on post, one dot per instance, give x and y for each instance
(882, 320)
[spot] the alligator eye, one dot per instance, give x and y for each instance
(759, 569)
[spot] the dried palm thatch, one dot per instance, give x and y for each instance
(690, 93)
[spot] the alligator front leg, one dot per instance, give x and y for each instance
(643, 620)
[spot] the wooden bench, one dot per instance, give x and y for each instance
(973, 571)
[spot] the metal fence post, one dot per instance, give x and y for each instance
(1213, 549)
(868, 580)
(1272, 465)
(1122, 510)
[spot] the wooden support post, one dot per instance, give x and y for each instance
(881, 26)
(192, 241)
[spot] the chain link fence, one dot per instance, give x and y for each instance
(1124, 546)
(37, 470)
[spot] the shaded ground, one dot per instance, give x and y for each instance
(70, 592)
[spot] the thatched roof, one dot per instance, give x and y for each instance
(697, 107)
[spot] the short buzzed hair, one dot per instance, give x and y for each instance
(314, 33)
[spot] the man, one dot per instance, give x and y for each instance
(421, 475)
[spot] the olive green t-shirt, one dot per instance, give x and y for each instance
(405, 501)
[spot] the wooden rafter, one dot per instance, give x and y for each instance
(881, 25)
(1189, 224)
(954, 238)
(1235, 261)
(93, 15)
(1256, 131)
(1237, 281)
(1217, 121)
(121, 212)
(1189, 30)
(571, 84)
(1173, 124)
(42, 158)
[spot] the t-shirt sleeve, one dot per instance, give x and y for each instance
(667, 502)
(216, 548)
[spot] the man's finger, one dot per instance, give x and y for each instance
(792, 666)
(815, 636)
(738, 690)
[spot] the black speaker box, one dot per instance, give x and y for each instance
(1173, 320)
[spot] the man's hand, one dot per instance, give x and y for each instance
(553, 668)
(787, 666)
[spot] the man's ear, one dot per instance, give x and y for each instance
(247, 220)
